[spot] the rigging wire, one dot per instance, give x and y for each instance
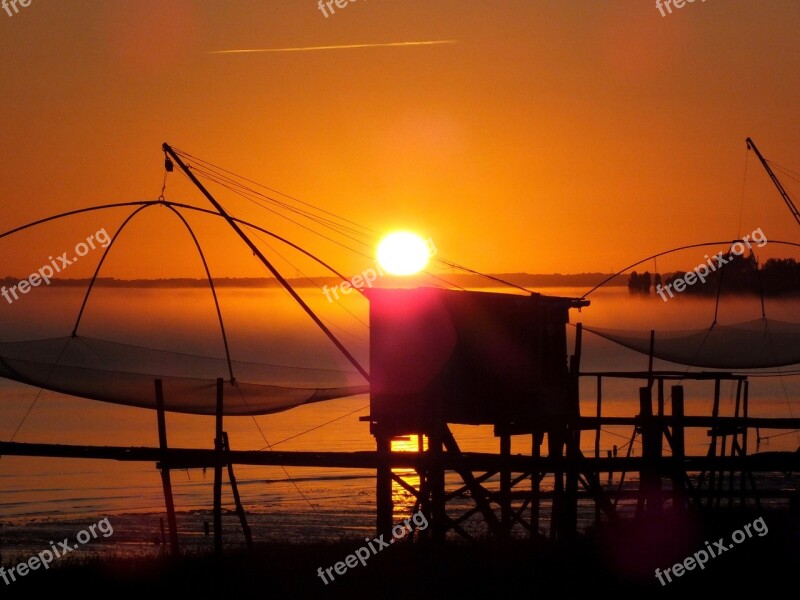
(283, 468)
(774, 435)
(786, 170)
(339, 418)
(41, 389)
(286, 285)
(246, 197)
(291, 264)
(221, 175)
(325, 222)
(207, 169)
(274, 190)
(255, 197)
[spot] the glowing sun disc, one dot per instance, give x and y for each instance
(403, 253)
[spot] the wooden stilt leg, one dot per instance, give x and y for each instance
(236, 498)
(218, 474)
(385, 505)
(165, 476)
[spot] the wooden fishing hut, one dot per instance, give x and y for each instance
(441, 357)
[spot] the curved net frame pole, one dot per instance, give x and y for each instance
(77, 212)
(178, 205)
(202, 259)
(665, 252)
(235, 226)
(317, 259)
(100, 265)
(719, 294)
(213, 290)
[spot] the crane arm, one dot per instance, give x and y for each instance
(795, 213)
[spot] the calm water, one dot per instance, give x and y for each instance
(44, 498)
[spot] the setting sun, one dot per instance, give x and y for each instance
(403, 253)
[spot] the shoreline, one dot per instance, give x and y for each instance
(460, 279)
(623, 561)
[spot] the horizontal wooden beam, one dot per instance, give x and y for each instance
(689, 421)
(186, 458)
(672, 375)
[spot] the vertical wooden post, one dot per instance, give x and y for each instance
(735, 447)
(744, 440)
(650, 359)
(436, 473)
(678, 448)
(712, 451)
(555, 452)
(572, 439)
(718, 492)
(424, 501)
(645, 413)
(505, 484)
(383, 492)
(218, 460)
(599, 413)
(536, 444)
(650, 482)
(570, 523)
(744, 414)
(578, 345)
(166, 481)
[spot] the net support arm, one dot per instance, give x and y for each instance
(235, 226)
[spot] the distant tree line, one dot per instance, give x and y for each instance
(737, 274)
(640, 283)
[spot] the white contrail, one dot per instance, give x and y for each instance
(347, 47)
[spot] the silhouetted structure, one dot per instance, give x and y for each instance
(441, 357)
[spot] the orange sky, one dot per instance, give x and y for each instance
(552, 136)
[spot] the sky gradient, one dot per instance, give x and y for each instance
(543, 136)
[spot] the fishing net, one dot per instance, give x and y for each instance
(762, 343)
(125, 374)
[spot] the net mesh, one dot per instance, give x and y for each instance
(124, 374)
(762, 343)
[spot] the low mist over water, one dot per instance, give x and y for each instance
(264, 325)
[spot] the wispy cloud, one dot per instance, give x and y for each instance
(346, 47)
